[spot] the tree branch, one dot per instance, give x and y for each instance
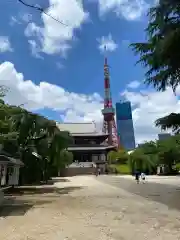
(42, 10)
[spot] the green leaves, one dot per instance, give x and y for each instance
(120, 156)
(172, 121)
(151, 154)
(169, 151)
(111, 157)
(23, 132)
(143, 160)
(161, 53)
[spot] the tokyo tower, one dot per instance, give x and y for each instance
(109, 124)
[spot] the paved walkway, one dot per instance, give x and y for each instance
(83, 208)
(170, 180)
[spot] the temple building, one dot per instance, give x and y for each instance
(89, 147)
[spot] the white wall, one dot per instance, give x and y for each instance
(14, 177)
(3, 178)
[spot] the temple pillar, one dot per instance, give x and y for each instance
(3, 169)
(94, 158)
(102, 157)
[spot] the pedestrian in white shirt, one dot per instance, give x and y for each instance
(143, 177)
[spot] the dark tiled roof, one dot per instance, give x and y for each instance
(89, 148)
(10, 160)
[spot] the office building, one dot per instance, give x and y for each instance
(163, 136)
(125, 129)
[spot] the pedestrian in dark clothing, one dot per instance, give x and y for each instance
(137, 175)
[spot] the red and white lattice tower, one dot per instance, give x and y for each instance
(109, 124)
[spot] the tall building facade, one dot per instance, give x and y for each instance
(164, 136)
(125, 128)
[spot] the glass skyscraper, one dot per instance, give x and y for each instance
(164, 136)
(125, 129)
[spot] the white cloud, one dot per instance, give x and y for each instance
(33, 30)
(5, 45)
(26, 17)
(14, 20)
(55, 37)
(71, 106)
(134, 84)
(148, 107)
(108, 42)
(35, 49)
(21, 18)
(129, 9)
(59, 65)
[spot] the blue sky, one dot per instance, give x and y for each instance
(57, 70)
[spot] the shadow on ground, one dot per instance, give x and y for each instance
(17, 207)
(55, 180)
(30, 190)
(162, 193)
(50, 181)
(20, 200)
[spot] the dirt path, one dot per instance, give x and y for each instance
(83, 208)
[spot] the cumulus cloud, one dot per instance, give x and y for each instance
(70, 106)
(35, 50)
(134, 84)
(20, 19)
(26, 17)
(14, 20)
(73, 107)
(108, 43)
(54, 37)
(129, 9)
(5, 45)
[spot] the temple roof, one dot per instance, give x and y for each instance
(89, 148)
(10, 160)
(80, 129)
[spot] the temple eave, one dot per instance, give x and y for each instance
(100, 148)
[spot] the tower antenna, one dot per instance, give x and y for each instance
(105, 54)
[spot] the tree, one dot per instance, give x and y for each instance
(149, 148)
(143, 162)
(37, 141)
(38, 134)
(122, 156)
(119, 156)
(169, 152)
(151, 154)
(144, 158)
(7, 132)
(63, 159)
(161, 52)
(111, 157)
(172, 121)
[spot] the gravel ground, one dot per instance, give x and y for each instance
(82, 208)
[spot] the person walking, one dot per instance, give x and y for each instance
(143, 177)
(137, 177)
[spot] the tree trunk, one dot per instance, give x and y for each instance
(45, 171)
